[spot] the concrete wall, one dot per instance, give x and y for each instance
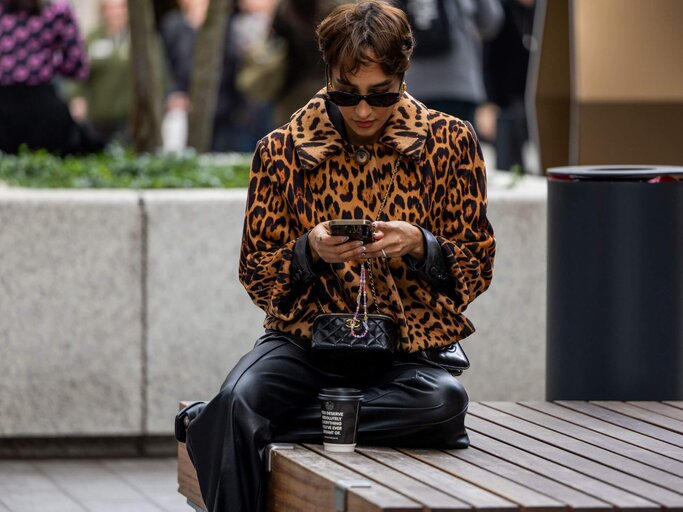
(200, 319)
(70, 313)
(116, 304)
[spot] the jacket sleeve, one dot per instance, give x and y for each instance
(72, 59)
(461, 226)
(269, 241)
(433, 267)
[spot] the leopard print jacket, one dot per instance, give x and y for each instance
(305, 173)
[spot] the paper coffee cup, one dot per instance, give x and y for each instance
(339, 410)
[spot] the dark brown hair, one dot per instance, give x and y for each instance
(368, 31)
(29, 6)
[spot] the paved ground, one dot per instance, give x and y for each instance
(92, 485)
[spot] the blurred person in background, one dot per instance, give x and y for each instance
(448, 75)
(105, 98)
(250, 24)
(235, 126)
(295, 22)
(39, 40)
(178, 32)
(506, 59)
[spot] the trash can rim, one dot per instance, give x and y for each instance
(615, 171)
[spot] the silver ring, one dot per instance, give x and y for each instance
(384, 254)
(319, 238)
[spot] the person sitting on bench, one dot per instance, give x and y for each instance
(361, 148)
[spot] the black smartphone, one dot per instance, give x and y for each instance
(355, 229)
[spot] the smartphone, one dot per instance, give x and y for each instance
(355, 229)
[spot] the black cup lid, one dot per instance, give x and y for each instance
(340, 394)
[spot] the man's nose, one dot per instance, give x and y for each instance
(363, 109)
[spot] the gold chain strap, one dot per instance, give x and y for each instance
(391, 183)
(379, 214)
(375, 302)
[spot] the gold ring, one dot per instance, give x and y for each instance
(384, 254)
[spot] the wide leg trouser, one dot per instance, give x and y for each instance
(271, 396)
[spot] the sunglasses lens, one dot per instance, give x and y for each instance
(385, 99)
(343, 99)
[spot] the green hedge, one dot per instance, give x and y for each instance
(118, 168)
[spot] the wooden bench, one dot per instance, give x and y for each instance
(529, 456)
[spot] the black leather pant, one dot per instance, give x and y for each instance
(271, 396)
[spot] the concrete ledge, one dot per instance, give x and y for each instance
(121, 303)
(200, 320)
(70, 322)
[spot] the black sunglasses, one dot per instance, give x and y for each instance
(351, 99)
(377, 99)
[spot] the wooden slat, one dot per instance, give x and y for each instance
(597, 439)
(574, 499)
(599, 471)
(410, 486)
(647, 416)
(674, 403)
(523, 496)
(591, 452)
(304, 481)
(660, 408)
(601, 490)
(188, 485)
(634, 424)
(609, 429)
(474, 495)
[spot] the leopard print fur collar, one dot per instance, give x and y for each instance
(316, 139)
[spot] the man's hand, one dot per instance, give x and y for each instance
(396, 238)
(78, 107)
(333, 249)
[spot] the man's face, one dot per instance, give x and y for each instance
(364, 122)
(114, 15)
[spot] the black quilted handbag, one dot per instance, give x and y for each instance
(335, 350)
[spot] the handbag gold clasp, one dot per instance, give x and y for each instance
(352, 323)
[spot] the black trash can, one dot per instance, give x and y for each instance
(615, 283)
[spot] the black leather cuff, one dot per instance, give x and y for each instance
(434, 265)
(185, 417)
(302, 266)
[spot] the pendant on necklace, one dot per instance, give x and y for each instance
(362, 156)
